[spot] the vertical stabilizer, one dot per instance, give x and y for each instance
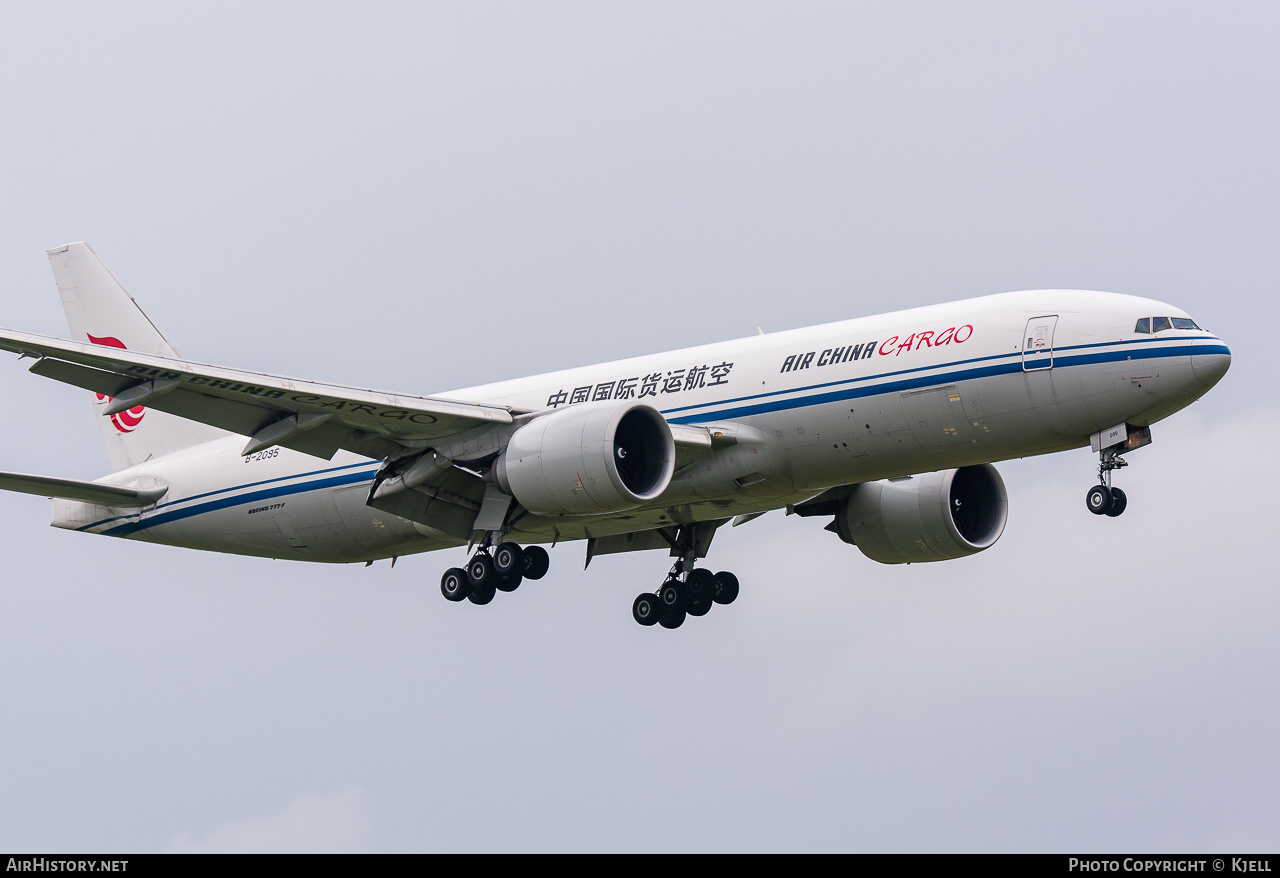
(100, 311)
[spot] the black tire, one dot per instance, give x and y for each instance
(508, 558)
(480, 571)
(726, 588)
(1098, 499)
(1118, 502)
(536, 562)
(700, 586)
(509, 583)
(481, 595)
(454, 585)
(699, 609)
(645, 610)
(671, 597)
(672, 620)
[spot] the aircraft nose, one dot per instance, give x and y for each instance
(1210, 359)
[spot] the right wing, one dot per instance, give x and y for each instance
(306, 416)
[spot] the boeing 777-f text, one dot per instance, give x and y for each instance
(885, 427)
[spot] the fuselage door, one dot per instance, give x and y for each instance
(1037, 343)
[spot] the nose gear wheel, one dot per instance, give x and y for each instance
(1102, 498)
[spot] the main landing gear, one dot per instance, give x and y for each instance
(687, 590)
(1103, 499)
(682, 595)
(492, 571)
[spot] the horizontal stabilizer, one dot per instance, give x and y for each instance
(89, 492)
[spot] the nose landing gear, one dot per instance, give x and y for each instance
(1103, 499)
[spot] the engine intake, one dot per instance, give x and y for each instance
(930, 517)
(589, 459)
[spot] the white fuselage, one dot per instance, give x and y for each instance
(931, 388)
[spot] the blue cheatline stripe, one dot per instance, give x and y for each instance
(332, 469)
(945, 377)
(852, 393)
(841, 381)
(238, 500)
(1152, 351)
(1015, 355)
(158, 506)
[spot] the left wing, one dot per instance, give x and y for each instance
(306, 416)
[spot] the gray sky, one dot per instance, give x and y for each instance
(419, 197)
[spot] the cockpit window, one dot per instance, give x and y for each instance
(1160, 324)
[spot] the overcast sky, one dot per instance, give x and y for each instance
(419, 197)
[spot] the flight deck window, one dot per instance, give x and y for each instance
(1144, 325)
(1184, 323)
(1161, 323)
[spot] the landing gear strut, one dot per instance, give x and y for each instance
(490, 571)
(1103, 499)
(687, 590)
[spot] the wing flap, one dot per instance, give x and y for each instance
(106, 383)
(447, 501)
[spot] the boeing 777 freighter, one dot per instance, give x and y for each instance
(885, 427)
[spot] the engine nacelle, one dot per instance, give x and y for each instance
(589, 459)
(930, 517)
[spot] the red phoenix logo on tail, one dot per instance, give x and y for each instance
(128, 420)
